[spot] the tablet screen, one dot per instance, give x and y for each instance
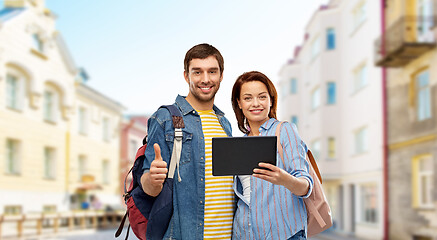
(240, 155)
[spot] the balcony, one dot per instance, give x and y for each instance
(407, 39)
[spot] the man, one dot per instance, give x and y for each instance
(202, 204)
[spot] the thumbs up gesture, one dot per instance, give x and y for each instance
(158, 168)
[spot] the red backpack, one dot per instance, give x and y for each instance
(149, 216)
(318, 210)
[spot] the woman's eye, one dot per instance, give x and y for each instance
(262, 97)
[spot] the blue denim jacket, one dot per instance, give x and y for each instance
(189, 194)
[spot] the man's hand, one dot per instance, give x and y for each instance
(153, 180)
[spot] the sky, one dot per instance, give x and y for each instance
(133, 50)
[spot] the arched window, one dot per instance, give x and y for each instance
(16, 84)
(51, 103)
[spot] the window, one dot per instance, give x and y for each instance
(12, 156)
(360, 138)
(82, 166)
(369, 203)
(293, 86)
(330, 38)
(295, 120)
(315, 148)
(331, 147)
(49, 163)
(37, 42)
(105, 172)
(50, 103)
(105, 129)
(82, 114)
(13, 210)
(423, 176)
(315, 99)
(360, 77)
(423, 96)
(359, 14)
(425, 20)
(331, 93)
(315, 47)
(13, 92)
(49, 209)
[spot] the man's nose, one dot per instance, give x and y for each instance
(205, 77)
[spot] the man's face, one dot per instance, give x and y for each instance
(203, 78)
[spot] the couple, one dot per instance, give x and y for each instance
(270, 202)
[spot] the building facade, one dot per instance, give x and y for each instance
(332, 91)
(406, 51)
(59, 138)
(133, 132)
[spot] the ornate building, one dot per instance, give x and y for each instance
(59, 138)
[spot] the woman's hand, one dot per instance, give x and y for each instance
(298, 186)
(272, 174)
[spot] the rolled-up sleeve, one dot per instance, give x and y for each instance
(295, 154)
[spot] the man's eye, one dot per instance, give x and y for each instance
(213, 72)
(196, 72)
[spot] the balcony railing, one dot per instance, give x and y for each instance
(407, 39)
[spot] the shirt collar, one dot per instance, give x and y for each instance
(268, 124)
(187, 108)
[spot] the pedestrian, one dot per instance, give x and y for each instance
(270, 201)
(203, 205)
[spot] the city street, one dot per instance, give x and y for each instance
(109, 234)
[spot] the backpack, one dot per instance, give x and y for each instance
(149, 216)
(318, 210)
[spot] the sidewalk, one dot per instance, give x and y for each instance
(332, 235)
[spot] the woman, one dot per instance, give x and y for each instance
(270, 204)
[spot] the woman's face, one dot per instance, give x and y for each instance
(255, 102)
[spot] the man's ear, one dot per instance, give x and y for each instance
(221, 77)
(187, 79)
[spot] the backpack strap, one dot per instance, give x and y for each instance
(309, 153)
(178, 124)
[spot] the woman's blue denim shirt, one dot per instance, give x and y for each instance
(188, 194)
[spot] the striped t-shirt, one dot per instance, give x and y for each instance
(219, 195)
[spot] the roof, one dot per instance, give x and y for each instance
(8, 13)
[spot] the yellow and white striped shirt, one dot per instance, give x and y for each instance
(219, 195)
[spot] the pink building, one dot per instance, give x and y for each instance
(133, 131)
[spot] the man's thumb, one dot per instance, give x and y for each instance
(157, 151)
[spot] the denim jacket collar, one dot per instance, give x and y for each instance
(186, 107)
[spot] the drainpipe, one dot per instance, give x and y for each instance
(384, 129)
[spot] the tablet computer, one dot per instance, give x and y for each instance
(240, 155)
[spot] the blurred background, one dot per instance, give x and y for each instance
(79, 79)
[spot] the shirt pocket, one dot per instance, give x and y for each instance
(186, 145)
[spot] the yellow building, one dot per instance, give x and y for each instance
(59, 138)
(406, 49)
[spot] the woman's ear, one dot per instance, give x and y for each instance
(239, 105)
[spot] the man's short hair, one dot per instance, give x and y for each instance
(203, 51)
